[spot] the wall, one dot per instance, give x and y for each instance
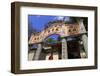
(5, 35)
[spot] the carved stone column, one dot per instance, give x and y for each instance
(85, 43)
(84, 36)
(38, 51)
(64, 49)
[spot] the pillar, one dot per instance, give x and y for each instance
(85, 43)
(38, 51)
(84, 36)
(64, 49)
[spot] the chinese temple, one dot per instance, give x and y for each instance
(72, 42)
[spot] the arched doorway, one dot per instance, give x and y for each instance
(52, 47)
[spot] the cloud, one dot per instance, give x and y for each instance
(59, 18)
(62, 18)
(67, 19)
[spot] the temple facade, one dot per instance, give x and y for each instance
(71, 45)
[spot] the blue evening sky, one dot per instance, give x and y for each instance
(39, 21)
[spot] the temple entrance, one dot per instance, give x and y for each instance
(73, 49)
(52, 46)
(55, 52)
